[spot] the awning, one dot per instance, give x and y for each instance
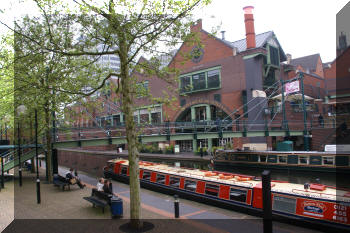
(292, 97)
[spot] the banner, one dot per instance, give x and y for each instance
(292, 87)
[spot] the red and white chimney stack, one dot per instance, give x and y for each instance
(249, 27)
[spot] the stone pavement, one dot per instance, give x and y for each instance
(6, 205)
(67, 211)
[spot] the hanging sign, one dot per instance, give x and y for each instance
(292, 87)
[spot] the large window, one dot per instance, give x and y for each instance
(202, 80)
(274, 56)
(282, 159)
(198, 81)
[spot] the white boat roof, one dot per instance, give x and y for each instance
(330, 193)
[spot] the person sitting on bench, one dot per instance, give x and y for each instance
(100, 184)
(107, 187)
(74, 179)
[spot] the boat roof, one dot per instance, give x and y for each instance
(330, 193)
(285, 152)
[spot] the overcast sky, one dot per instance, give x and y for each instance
(303, 27)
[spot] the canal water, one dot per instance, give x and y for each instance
(290, 175)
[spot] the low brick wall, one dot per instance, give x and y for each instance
(90, 162)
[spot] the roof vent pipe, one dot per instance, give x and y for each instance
(223, 35)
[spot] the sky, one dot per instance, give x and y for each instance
(303, 27)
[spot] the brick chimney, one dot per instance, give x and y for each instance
(249, 26)
(197, 27)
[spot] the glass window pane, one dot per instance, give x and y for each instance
(174, 182)
(185, 84)
(198, 81)
(155, 117)
(212, 189)
(160, 178)
(190, 185)
(238, 195)
(213, 78)
(146, 175)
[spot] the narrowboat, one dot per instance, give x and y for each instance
(297, 160)
(324, 206)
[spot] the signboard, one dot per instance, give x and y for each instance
(177, 149)
(337, 212)
(292, 87)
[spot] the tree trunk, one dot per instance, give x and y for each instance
(31, 142)
(127, 107)
(48, 144)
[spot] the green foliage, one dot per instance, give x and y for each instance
(169, 149)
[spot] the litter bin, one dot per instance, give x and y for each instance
(116, 207)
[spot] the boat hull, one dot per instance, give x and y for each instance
(243, 208)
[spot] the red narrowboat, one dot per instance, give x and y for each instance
(320, 204)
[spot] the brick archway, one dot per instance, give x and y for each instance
(201, 101)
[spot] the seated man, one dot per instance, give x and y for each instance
(107, 187)
(74, 179)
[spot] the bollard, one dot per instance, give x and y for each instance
(38, 197)
(266, 195)
(20, 176)
(176, 206)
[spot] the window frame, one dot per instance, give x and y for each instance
(307, 159)
(205, 71)
(282, 156)
(333, 158)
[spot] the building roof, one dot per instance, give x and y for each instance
(307, 62)
(260, 39)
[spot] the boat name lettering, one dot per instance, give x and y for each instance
(314, 207)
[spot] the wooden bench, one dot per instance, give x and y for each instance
(98, 198)
(61, 182)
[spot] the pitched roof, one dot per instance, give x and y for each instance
(260, 39)
(307, 62)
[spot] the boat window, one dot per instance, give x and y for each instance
(111, 166)
(160, 179)
(326, 160)
(190, 185)
(263, 158)
(174, 181)
(284, 204)
(303, 160)
(282, 159)
(212, 189)
(146, 175)
(238, 195)
(124, 171)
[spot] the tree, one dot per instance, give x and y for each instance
(45, 81)
(127, 29)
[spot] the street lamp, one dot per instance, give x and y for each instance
(37, 160)
(20, 110)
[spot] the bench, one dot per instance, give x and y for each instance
(61, 182)
(99, 198)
